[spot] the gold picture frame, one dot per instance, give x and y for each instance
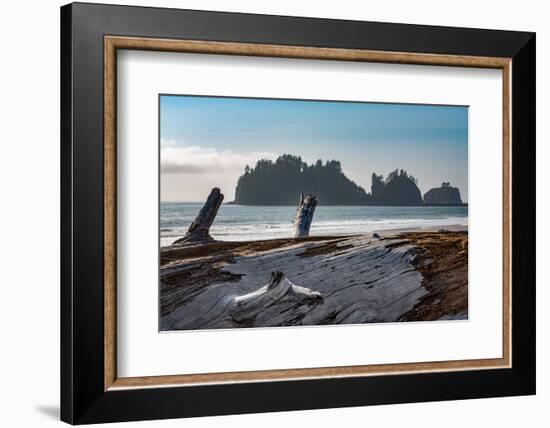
(114, 43)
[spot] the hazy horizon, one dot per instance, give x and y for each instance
(206, 142)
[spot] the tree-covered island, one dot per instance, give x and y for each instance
(281, 182)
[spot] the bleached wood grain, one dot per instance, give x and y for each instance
(358, 279)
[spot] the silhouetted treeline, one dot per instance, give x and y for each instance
(281, 182)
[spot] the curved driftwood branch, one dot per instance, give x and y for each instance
(280, 292)
(304, 215)
(200, 228)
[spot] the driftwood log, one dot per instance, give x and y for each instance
(270, 302)
(304, 215)
(326, 280)
(199, 231)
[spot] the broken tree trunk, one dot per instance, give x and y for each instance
(200, 228)
(304, 215)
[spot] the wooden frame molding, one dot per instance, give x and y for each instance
(113, 43)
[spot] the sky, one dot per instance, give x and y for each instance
(206, 142)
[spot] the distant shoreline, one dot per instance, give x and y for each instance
(452, 228)
(320, 204)
(351, 205)
(240, 222)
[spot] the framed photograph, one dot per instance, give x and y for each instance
(266, 213)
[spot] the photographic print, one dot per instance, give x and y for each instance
(283, 212)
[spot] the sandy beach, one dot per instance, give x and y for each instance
(392, 275)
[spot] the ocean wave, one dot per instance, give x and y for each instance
(249, 231)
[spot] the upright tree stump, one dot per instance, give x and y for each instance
(304, 215)
(200, 228)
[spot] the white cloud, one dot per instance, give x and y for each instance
(197, 159)
(189, 172)
(168, 143)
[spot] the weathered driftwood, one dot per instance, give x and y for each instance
(199, 230)
(304, 215)
(341, 280)
(273, 300)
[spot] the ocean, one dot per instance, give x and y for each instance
(243, 223)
